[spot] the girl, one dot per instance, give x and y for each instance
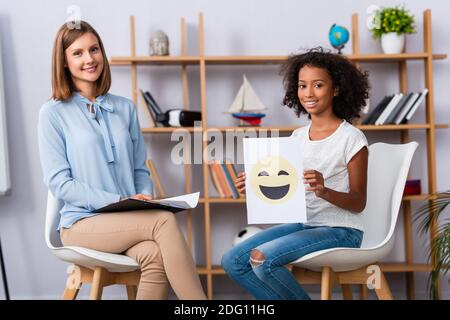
(92, 154)
(331, 91)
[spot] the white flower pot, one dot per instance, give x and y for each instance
(392, 42)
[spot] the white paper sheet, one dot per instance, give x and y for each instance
(186, 201)
(274, 185)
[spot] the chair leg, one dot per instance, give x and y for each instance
(98, 281)
(383, 293)
(131, 292)
(73, 283)
(363, 292)
(347, 291)
(70, 294)
(326, 283)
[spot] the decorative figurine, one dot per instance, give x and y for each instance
(247, 106)
(159, 44)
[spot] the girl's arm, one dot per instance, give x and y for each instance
(355, 199)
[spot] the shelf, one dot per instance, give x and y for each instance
(393, 57)
(401, 126)
(236, 60)
(406, 267)
(416, 197)
(385, 267)
(156, 60)
(386, 127)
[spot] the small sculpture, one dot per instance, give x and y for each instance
(159, 44)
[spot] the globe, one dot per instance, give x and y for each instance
(338, 36)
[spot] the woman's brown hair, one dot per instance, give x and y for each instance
(62, 84)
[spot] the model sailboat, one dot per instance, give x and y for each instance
(247, 106)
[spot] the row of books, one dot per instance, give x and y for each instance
(223, 176)
(396, 109)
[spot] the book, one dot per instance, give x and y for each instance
(412, 187)
(394, 113)
(370, 119)
(382, 118)
(402, 114)
(416, 104)
(147, 110)
(173, 204)
(230, 182)
(217, 168)
(233, 175)
(215, 180)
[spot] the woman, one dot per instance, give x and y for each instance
(92, 154)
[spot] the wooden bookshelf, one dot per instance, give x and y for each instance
(202, 61)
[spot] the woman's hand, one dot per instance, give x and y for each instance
(316, 182)
(141, 196)
(239, 183)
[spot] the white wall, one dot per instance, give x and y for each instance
(232, 27)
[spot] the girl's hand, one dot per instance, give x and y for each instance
(316, 183)
(141, 196)
(239, 183)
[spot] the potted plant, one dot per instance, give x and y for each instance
(390, 24)
(440, 244)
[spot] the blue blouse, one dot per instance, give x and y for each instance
(91, 159)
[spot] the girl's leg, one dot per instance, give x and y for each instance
(118, 232)
(269, 259)
(236, 261)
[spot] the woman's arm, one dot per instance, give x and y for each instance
(355, 199)
(57, 170)
(142, 181)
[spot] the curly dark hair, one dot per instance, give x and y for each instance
(352, 84)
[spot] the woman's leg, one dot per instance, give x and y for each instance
(118, 232)
(236, 262)
(153, 284)
(268, 260)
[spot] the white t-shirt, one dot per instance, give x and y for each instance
(330, 156)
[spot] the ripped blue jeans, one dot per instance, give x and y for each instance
(269, 279)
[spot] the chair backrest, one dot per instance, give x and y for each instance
(387, 173)
(52, 218)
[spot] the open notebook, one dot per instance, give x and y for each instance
(174, 204)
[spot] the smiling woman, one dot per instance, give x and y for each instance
(93, 154)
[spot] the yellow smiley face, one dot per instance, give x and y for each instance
(273, 179)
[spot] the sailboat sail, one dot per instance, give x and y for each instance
(246, 100)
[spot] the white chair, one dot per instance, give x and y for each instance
(387, 173)
(101, 269)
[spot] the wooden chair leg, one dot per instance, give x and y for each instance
(347, 291)
(383, 293)
(98, 281)
(363, 292)
(326, 283)
(70, 294)
(73, 283)
(131, 292)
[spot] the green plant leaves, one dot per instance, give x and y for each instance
(440, 245)
(393, 19)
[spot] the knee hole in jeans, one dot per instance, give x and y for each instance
(256, 258)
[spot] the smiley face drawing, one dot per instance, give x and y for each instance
(273, 179)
